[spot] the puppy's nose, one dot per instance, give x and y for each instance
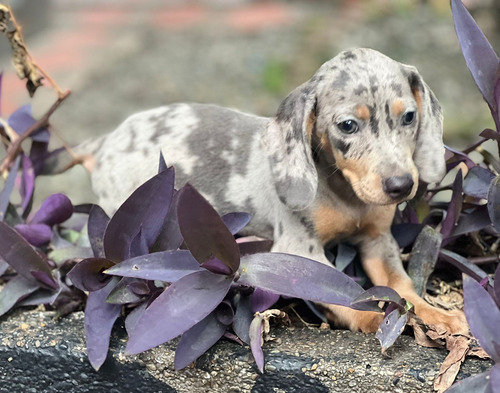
(398, 187)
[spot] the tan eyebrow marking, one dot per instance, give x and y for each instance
(363, 112)
(398, 108)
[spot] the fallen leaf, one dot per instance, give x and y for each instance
(24, 66)
(459, 347)
(420, 333)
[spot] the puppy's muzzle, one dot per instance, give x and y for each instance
(398, 187)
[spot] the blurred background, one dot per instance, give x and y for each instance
(121, 56)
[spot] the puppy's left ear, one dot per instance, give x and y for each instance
(287, 142)
(429, 151)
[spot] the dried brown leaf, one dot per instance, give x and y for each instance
(4, 18)
(425, 335)
(266, 317)
(420, 331)
(478, 352)
(458, 346)
(24, 66)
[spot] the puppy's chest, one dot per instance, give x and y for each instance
(333, 222)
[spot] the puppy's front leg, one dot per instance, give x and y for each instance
(303, 242)
(382, 263)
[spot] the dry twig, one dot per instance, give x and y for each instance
(26, 68)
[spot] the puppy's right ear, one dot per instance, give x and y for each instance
(287, 141)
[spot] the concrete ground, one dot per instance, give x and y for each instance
(38, 354)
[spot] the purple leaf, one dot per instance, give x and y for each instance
(497, 284)
(495, 379)
(225, 313)
(477, 182)
(168, 266)
(217, 266)
(15, 290)
(87, 275)
(170, 237)
(182, 305)
(44, 296)
(494, 203)
(204, 232)
(99, 320)
(162, 165)
(147, 207)
(405, 234)
(39, 154)
(496, 110)
(45, 278)
(98, 221)
(18, 253)
(22, 119)
(463, 264)
(454, 208)
(35, 234)
(3, 267)
(197, 340)
(56, 209)
(391, 328)
(122, 293)
(27, 182)
(8, 188)
(243, 319)
(488, 133)
(345, 255)
(262, 300)
(139, 287)
(139, 245)
(478, 53)
(474, 220)
(291, 275)
(255, 335)
(254, 247)
(461, 157)
(134, 316)
(483, 316)
(370, 298)
(235, 222)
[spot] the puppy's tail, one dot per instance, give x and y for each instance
(64, 158)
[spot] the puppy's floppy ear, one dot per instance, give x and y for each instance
(429, 151)
(287, 143)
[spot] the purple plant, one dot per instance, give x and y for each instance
(470, 213)
(483, 315)
(31, 278)
(170, 254)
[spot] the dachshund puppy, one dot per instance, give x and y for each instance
(342, 151)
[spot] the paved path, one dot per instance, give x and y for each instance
(81, 34)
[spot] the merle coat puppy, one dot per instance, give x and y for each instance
(342, 151)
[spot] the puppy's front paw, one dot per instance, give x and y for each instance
(355, 320)
(453, 322)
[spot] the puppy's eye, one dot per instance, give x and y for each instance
(348, 126)
(408, 118)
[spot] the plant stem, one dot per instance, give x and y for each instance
(14, 149)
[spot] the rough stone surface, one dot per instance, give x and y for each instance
(38, 354)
